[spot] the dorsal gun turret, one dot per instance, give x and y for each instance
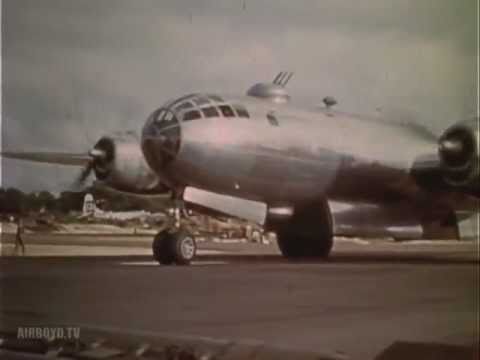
(274, 91)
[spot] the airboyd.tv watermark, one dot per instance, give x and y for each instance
(48, 332)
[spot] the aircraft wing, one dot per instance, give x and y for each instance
(455, 165)
(151, 202)
(431, 174)
(73, 159)
(250, 210)
(401, 220)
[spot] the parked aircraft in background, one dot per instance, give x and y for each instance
(260, 158)
(90, 209)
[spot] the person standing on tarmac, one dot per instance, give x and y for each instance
(18, 236)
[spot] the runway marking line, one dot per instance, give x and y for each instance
(154, 263)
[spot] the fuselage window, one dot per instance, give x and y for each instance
(210, 112)
(201, 101)
(227, 111)
(241, 111)
(192, 115)
(216, 98)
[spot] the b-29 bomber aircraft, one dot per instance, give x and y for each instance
(260, 158)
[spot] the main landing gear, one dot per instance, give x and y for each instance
(308, 234)
(174, 245)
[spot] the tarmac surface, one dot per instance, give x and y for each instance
(368, 296)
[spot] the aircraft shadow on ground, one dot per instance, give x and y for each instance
(354, 258)
(349, 258)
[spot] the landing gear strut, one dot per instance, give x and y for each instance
(174, 245)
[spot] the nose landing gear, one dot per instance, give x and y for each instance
(174, 245)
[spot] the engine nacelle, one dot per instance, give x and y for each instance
(123, 166)
(459, 154)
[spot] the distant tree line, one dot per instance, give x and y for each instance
(13, 200)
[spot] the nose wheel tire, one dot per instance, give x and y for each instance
(178, 247)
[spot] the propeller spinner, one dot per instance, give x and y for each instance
(99, 157)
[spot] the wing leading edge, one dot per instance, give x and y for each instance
(71, 159)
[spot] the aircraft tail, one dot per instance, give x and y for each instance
(89, 207)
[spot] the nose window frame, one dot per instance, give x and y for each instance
(164, 117)
(191, 115)
(216, 98)
(186, 105)
(227, 111)
(201, 101)
(241, 111)
(210, 112)
(197, 106)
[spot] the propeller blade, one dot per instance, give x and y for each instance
(84, 174)
(96, 156)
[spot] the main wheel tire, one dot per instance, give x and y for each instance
(177, 247)
(297, 246)
(309, 234)
(161, 248)
(183, 247)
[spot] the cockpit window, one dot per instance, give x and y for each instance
(184, 105)
(210, 112)
(201, 101)
(192, 115)
(196, 106)
(227, 111)
(164, 116)
(179, 100)
(160, 115)
(241, 111)
(216, 98)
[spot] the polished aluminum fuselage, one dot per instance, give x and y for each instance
(301, 155)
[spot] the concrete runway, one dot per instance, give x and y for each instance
(366, 297)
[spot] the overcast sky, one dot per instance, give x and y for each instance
(75, 70)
